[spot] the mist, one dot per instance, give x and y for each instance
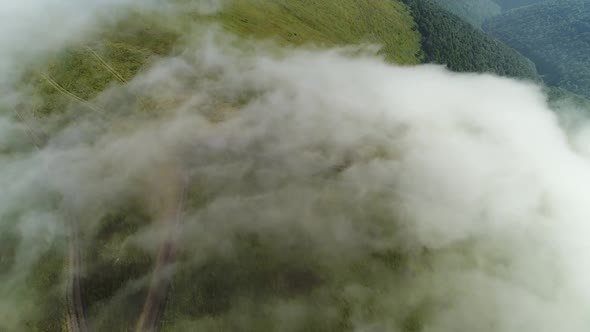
(302, 189)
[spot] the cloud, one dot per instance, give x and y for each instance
(36, 28)
(322, 190)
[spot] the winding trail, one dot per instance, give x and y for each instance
(68, 94)
(75, 316)
(76, 319)
(108, 67)
(163, 269)
(101, 113)
(35, 139)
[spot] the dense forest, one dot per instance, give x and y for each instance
(510, 4)
(446, 39)
(474, 12)
(555, 35)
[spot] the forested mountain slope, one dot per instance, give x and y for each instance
(446, 39)
(474, 12)
(556, 36)
(510, 4)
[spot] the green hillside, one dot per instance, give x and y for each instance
(69, 83)
(114, 56)
(342, 22)
(446, 39)
(556, 36)
(430, 35)
(79, 73)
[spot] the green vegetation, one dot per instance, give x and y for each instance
(510, 4)
(9, 242)
(46, 279)
(114, 56)
(573, 110)
(556, 36)
(446, 39)
(560, 95)
(265, 280)
(115, 270)
(257, 268)
(474, 12)
(329, 23)
(114, 284)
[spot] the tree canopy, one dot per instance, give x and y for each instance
(555, 35)
(446, 39)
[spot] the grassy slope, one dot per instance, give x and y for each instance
(328, 22)
(126, 48)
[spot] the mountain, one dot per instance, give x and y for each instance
(555, 35)
(511, 4)
(68, 84)
(446, 39)
(474, 12)
(140, 38)
(409, 33)
(384, 22)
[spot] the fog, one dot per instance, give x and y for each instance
(318, 189)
